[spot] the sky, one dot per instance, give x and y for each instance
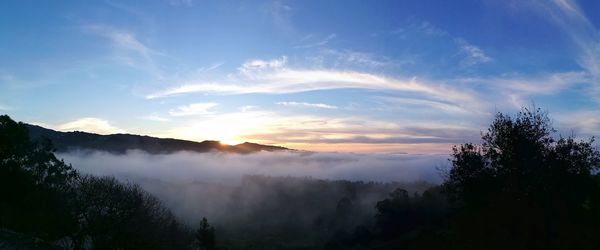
(338, 75)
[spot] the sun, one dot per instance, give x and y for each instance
(232, 128)
(224, 132)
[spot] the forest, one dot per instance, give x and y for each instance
(521, 187)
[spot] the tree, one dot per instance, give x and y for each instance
(34, 184)
(114, 215)
(205, 235)
(524, 185)
(43, 197)
(395, 214)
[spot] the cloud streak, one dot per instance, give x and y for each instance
(325, 41)
(128, 49)
(306, 104)
(568, 16)
(276, 77)
(89, 124)
(473, 54)
(193, 109)
(154, 117)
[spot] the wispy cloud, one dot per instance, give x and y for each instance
(211, 67)
(193, 109)
(5, 107)
(306, 104)
(423, 28)
(247, 108)
(567, 15)
(6, 77)
(154, 117)
(430, 29)
(305, 131)
(544, 84)
(280, 13)
(129, 50)
(517, 90)
(121, 39)
(259, 65)
(353, 58)
(181, 2)
(89, 124)
(275, 77)
(420, 104)
(473, 54)
(582, 122)
(318, 43)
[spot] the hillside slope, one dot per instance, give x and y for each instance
(120, 143)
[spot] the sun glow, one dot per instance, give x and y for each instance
(226, 128)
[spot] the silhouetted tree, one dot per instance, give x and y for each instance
(123, 216)
(394, 215)
(34, 185)
(524, 189)
(205, 235)
(41, 196)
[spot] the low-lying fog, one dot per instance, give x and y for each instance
(224, 167)
(195, 185)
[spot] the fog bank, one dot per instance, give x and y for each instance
(196, 185)
(228, 168)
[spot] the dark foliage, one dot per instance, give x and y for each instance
(524, 189)
(205, 236)
(123, 216)
(47, 199)
(34, 185)
(521, 188)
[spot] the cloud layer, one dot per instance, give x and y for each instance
(223, 167)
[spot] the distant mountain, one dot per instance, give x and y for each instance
(120, 143)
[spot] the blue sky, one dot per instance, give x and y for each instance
(375, 76)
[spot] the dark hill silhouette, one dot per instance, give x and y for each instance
(120, 143)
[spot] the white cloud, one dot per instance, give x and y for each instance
(473, 54)
(89, 124)
(122, 39)
(546, 84)
(247, 107)
(424, 27)
(154, 117)
(322, 42)
(416, 104)
(275, 77)
(280, 14)
(5, 107)
(353, 58)
(517, 90)
(193, 109)
(128, 49)
(567, 15)
(181, 2)
(306, 104)
(211, 67)
(259, 65)
(582, 122)
(430, 29)
(329, 133)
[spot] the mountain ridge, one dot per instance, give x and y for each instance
(121, 143)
